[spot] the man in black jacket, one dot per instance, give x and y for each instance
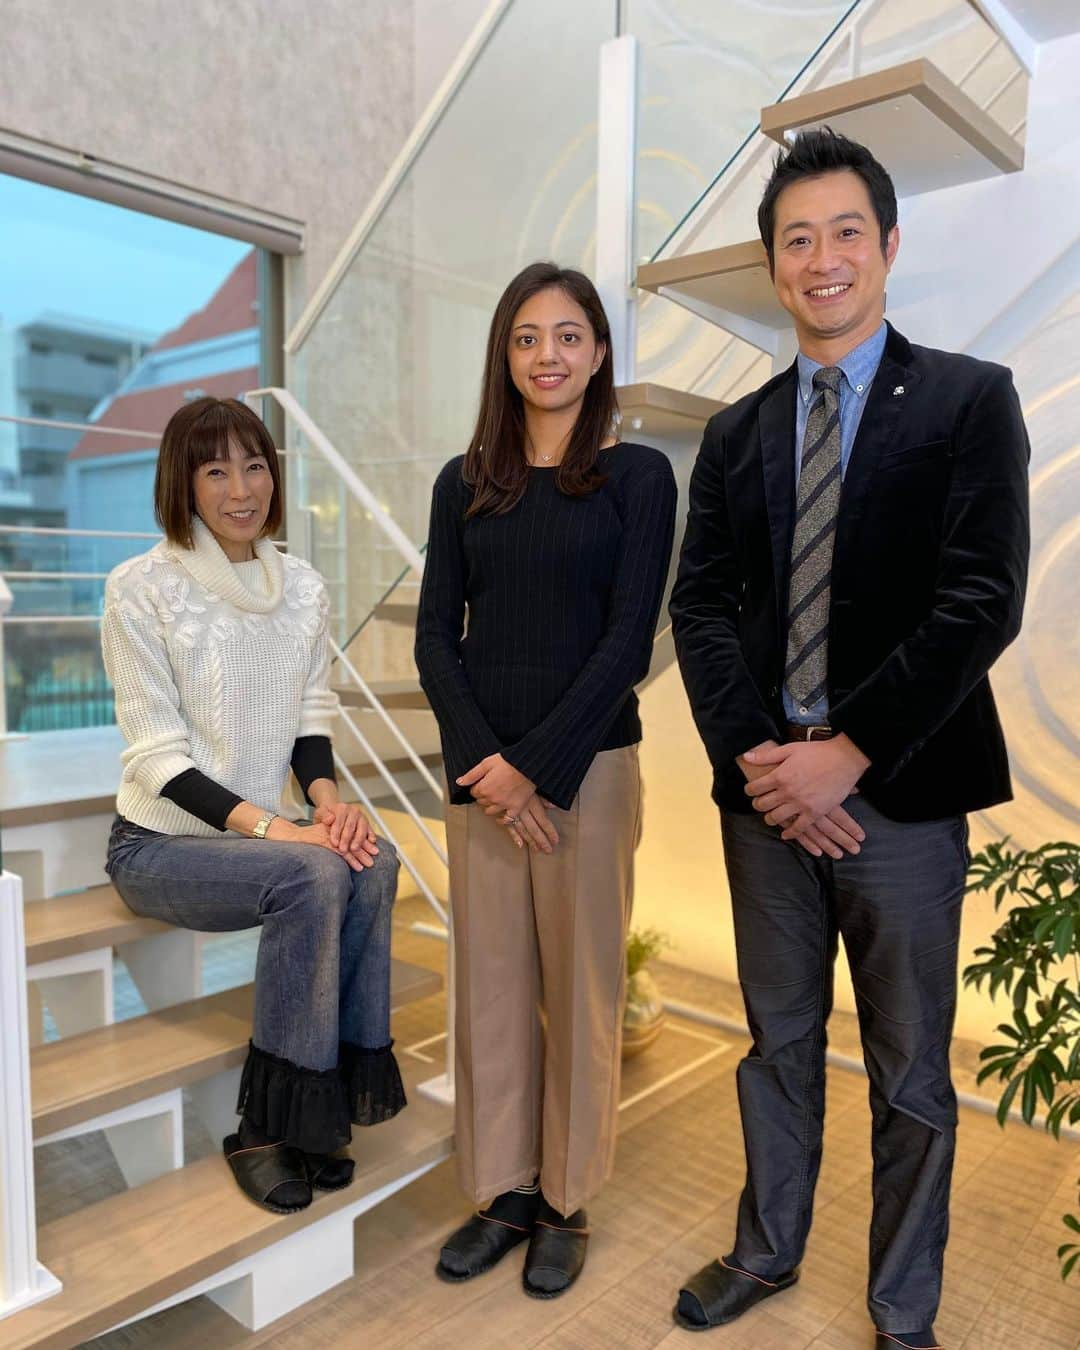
(854, 563)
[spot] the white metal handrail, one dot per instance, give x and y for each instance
(79, 534)
(54, 576)
(154, 436)
(100, 428)
(345, 471)
(392, 783)
(372, 813)
(373, 700)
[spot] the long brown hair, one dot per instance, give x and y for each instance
(495, 465)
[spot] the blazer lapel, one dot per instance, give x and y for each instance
(776, 426)
(883, 420)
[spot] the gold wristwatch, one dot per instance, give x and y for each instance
(261, 826)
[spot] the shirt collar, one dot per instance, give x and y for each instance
(859, 366)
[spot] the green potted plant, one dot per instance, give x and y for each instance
(643, 1012)
(1034, 958)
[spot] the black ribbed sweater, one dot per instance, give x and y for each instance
(562, 595)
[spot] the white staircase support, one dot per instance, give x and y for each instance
(72, 852)
(214, 1100)
(272, 1282)
(166, 968)
(23, 1280)
(441, 1088)
(77, 990)
(146, 1137)
(941, 233)
(616, 199)
(1020, 42)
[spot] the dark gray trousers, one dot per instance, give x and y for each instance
(897, 907)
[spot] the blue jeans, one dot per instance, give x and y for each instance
(322, 978)
(896, 905)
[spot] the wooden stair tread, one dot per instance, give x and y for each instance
(659, 410)
(390, 693)
(922, 126)
(81, 1077)
(366, 773)
(126, 1254)
(82, 922)
(397, 611)
(734, 279)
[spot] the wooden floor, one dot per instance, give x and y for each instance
(668, 1210)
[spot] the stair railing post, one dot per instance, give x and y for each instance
(6, 601)
(616, 199)
(23, 1280)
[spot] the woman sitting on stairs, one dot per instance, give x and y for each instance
(216, 645)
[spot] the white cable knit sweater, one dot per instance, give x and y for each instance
(217, 666)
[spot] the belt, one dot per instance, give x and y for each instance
(796, 731)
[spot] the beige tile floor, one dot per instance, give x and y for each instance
(668, 1209)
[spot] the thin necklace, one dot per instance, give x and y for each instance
(544, 459)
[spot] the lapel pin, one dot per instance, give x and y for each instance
(898, 390)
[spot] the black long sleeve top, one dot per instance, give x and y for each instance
(210, 801)
(562, 595)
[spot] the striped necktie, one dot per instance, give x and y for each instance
(806, 667)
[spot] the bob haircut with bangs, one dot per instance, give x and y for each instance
(195, 434)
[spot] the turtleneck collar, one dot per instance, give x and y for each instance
(207, 563)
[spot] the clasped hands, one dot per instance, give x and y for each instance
(800, 787)
(501, 790)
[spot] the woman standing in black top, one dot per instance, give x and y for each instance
(555, 539)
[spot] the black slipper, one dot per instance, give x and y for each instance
(273, 1175)
(327, 1172)
(556, 1255)
(719, 1293)
(476, 1246)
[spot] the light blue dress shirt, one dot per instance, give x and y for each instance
(859, 367)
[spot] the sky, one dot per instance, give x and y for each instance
(59, 251)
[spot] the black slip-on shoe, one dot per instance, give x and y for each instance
(272, 1175)
(719, 1293)
(480, 1243)
(556, 1255)
(328, 1172)
(910, 1340)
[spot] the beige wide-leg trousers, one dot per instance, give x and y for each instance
(541, 971)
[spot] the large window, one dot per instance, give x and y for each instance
(111, 319)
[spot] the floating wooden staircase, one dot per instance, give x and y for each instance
(191, 1231)
(79, 1078)
(928, 132)
(72, 924)
(180, 1231)
(728, 286)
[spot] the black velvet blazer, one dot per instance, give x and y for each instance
(929, 570)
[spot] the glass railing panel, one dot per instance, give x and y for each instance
(963, 46)
(674, 346)
(391, 369)
(707, 69)
(951, 33)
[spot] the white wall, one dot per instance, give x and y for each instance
(289, 107)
